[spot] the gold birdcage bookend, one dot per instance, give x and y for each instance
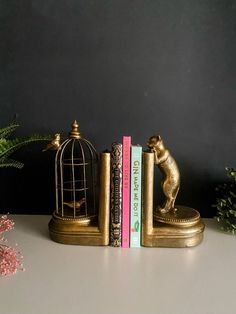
(82, 183)
(167, 225)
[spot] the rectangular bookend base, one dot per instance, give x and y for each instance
(79, 235)
(155, 241)
(163, 235)
(78, 239)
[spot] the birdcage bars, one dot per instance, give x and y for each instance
(82, 206)
(82, 154)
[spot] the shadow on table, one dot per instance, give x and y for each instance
(214, 225)
(34, 224)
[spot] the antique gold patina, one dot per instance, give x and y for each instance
(167, 225)
(79, 218)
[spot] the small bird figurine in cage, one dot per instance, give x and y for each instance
(82, 192)
(76, 204)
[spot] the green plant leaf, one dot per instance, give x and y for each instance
(226, 202)
(10, 146)
(233, 212)
(5, 132)
(5, 163)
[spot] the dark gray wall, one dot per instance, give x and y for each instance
(120, 67)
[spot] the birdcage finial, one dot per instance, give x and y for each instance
(74, 133)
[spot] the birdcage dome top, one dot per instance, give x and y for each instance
(75, 147)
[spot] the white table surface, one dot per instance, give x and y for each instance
(72, 279)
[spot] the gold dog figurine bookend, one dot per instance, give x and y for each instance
(167, 225)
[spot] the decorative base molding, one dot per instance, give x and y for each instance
(72, 232)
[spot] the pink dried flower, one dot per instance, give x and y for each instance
(6, 224)
(10, 259)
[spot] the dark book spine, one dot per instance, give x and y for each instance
(116, 194)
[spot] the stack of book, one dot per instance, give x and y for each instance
(126, 171)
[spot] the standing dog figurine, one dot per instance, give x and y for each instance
(170, 171)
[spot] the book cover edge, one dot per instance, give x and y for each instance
(135, 154)
(126, 154)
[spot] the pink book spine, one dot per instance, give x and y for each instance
(126, 192)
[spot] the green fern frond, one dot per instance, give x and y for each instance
(10, 146)
(7, 162)
(8, 130)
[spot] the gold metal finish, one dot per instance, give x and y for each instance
(74, 133)
(75, 177)
(182, 217)
(170, 171)
(76, 204)
(54, 144)
(82, 204)
(87, 231)
(178, 227)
